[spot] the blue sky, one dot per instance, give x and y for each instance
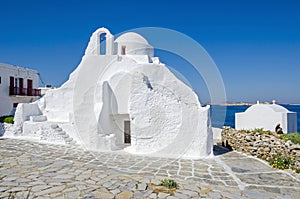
(255, 44)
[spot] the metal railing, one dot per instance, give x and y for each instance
(24, 91)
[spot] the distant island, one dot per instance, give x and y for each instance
(238, 103)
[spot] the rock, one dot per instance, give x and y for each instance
(124, 195)
(295, 147)
(107, 184)
(248, 138)
(171, 197)
(61, 133)
(192, 188)
(153, 195)
(180, 195)
(288, 143)
(205, 190)
(99, 194)
(54, 126)
(69, 139)
(141, 186)
(89, 196)
(38, 118)
(258, 138)
(157, 189)
(187, 192)
(162, 195)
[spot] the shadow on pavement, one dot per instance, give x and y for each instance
(219, 150)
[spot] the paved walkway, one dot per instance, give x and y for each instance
(29, 169)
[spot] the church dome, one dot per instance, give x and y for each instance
(131, 37)
(131, 43)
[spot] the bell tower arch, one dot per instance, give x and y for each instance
(94, 46)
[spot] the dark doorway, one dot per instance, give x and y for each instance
(21, 86)
(29, 87)
(123, 50)
(11, 85)
(127, 137)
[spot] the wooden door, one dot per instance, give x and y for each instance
(21, 85)
(29, 87)
(11, 85)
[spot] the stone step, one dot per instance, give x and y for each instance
(69, 139)
(62, 133)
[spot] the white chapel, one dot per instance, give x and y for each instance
(121, 97)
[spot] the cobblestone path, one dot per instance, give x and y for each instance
(35, 170)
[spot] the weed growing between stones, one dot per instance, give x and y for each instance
(169, 183)
(282, 161)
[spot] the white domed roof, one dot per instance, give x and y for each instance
(273, 107)
(131, 37)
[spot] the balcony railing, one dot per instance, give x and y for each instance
(24, 91)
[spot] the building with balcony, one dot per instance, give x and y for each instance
(17, 85)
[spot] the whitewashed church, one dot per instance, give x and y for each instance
(121, 97)
(267, 116)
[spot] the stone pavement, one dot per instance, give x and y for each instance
(35, 170)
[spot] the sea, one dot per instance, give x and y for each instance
(225, 115)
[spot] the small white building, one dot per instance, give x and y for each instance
(267, 116)
(121, 97)
(17, 85)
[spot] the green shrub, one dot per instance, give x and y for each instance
(245, 131)
(7, 119)
(259, 130)
(282, 161)
(169, 183)
(294, 137)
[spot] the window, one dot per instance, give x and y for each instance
(103, 44)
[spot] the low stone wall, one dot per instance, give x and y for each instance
(260, 144)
